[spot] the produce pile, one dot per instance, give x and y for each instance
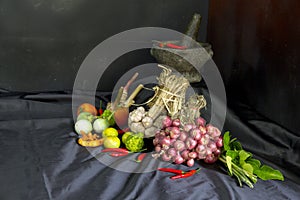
(174, 124)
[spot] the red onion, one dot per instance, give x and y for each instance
(187, 127)
(200, 121)
(202, 155)
(185, 154)
(193, 154)
(175, 132)
(217, 152)
(190, 143)
(157, 149)
(183, 136)
(172, 152)
(200, 148)
(204, 139)
(166, 157)
(190, 162)
(176, 122)
(195, 134)
(219, 142)
(173, 140)
(178, 159)
(179, 145)
(213, 131)
(202, 130)
(208, 151)
(211, 158)
(165, 141)
(167, 122)
(155, 141)
(212, 146)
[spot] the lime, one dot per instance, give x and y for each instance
(110, 132)
(125, 136)
(112, 142)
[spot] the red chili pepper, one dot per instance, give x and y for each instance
(175, 171)
(121, 131)
(185, 175)
(141, 157)
(100, 109)
(118, 154)
(116, 150)
(174, 46)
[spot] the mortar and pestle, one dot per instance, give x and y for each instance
(170, 53)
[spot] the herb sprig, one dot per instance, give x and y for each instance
(243, 166)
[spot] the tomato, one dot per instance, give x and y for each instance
(86, 107)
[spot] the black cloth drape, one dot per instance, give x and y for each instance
(40, 158)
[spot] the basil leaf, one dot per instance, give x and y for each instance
(232, 154)
(248, 168)
(228, 162)
(243, 156)
(267, 173)
(226, 141)
(236, 145)
(254, 163)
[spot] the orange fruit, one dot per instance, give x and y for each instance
(86, 107)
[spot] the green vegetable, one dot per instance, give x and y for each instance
(125, 136)
(243, 166)
(86, 115)
(108, 115)
(135, 142)
(83, 125)
(100, 125)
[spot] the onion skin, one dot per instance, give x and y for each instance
(176, 122)
(193, 155)
(217, 152)
(185, 154)
(167, 122)
(175, 132)
(190, 162)
(190, 143)
(166, 157)
(178, 159)
(187, 127)
(210, 159)
(183, 136)
(157, 149)
(213, 131)
(202, 130)
(200, 121)
(212, 146)
(195, 134)
(219, 142)
(179, 145)
(172, 152)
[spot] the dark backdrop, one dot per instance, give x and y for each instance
(256, 45)
(43, 43)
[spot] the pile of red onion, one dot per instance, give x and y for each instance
(189, 142)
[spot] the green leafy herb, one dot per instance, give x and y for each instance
(226, 141)
(243, 166)
(268, 173)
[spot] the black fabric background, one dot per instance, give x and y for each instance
(40, 158)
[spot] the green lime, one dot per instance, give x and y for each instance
(112, 142)
(110, 132)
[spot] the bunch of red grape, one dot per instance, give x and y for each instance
(189, 142)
